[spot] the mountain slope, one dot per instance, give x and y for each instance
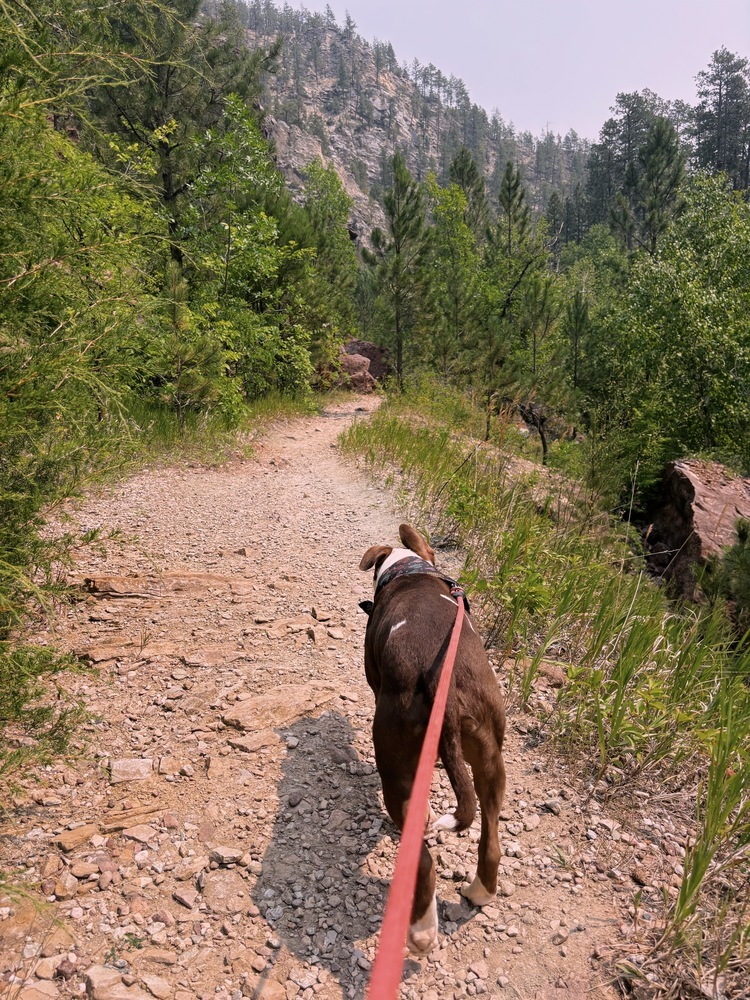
(338, 96)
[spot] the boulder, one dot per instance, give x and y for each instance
(355, 368)
(693, 518)
(379, 358)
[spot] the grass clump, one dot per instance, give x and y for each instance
(34, 728)
(654, 692)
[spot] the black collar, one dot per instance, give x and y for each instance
(411, 566)
(408, 566)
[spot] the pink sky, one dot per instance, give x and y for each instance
(556, 63)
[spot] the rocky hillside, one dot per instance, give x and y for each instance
(350, 101)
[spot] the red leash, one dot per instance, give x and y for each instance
(386, 970)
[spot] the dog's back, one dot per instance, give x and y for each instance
(404, 650)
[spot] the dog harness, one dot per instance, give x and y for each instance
(412, 566)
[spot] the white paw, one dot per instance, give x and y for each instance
(423, 935)
(476, 893)
(446, 822)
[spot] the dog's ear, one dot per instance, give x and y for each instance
(375, 555)
(414, 541)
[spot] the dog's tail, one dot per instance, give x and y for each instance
(452, 757)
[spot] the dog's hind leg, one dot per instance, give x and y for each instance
(489, 781)
(397, 765)
(423, 929)
(452, 757)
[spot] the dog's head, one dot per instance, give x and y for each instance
(377, 555)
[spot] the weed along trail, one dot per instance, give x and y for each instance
(221, 833)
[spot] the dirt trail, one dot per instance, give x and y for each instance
(223, 833)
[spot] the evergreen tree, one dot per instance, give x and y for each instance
(576, 325)
(662, 165)
(333, 272)
(192, 69)
(399, 256)
(555, 216)
(537, 313)
(555, 213)
(650, 198)
(614, 157)
(455, 276)
(722, 117)
(465, 173)
(515, 214)
(576, 216)
(514, 254)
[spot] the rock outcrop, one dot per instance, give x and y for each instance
(356, 371)
(363, 365)
(694, 519)
(379, 357)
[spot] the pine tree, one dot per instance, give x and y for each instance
(614, 156)
(192, 71)
(514, 212)
(555, 213)
(465, 173)
(457, 296)
(555, 216)
(650, 198)
(576, 324)
(662, 165)
(722, 117)
(399, 254)
(514, 257)
(328, 206)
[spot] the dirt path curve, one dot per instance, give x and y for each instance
(223, 834)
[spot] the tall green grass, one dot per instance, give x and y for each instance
(652, 688)
(149, 431)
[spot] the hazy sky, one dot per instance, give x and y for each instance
(556, 63)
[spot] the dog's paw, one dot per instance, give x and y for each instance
(476, 893)
(446, 822)
(423, 934)
(422, 942)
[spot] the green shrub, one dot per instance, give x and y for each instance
(34, 726)
(735, 575)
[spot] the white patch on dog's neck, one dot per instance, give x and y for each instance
(394, 557)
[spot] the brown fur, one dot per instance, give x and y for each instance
(402, 668)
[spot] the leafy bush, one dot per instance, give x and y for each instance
(33, 727)
(734, 575)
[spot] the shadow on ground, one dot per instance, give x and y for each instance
(315, 890)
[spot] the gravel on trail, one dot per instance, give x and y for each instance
(221, 833)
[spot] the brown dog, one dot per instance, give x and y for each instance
(407, 636)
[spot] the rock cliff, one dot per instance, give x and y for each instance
(337, 97)
(694, 518)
